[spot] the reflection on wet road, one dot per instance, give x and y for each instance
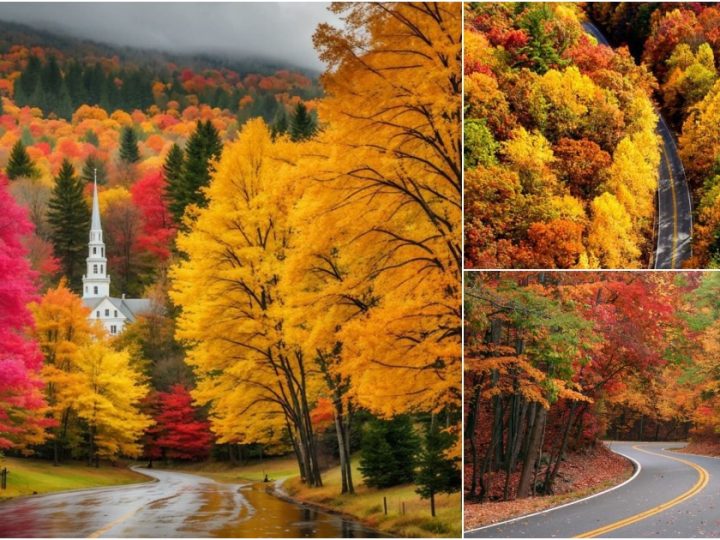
(177, 505)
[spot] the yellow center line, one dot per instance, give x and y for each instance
(703, 478)
(675, 211)
(114, 523)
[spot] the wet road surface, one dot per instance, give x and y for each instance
(673, 495)
(674, 215)
(176, 505)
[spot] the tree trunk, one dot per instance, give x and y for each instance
(553, 470)
(533, 453)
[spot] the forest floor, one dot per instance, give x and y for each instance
(366, 505)
(34, 476)
(580, 475)
(702, 447)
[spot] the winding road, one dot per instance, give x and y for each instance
(175, 505)
(671, 495)
(674, 216)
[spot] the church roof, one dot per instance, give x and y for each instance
(129, 307)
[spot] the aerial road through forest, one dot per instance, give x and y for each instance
(674, 215)
(175, 505)
(671, 495)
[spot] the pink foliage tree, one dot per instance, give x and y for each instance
(21, 398)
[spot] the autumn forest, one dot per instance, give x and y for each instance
(564, 108)
(297, 237)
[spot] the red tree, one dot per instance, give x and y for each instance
(20, 358)
(179, 432)
(157, 229)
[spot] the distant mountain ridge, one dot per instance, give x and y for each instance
(12, 33)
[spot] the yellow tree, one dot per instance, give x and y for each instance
(256, 377)
(62, 329)
(110, 401)
(387, 200)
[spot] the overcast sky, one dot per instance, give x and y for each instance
(269, 30)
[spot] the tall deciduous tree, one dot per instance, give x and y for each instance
(179, 431)
(258, 379)
(62, 329)
(69, 220)
(110, 402)
(21, 400)
(390, 202)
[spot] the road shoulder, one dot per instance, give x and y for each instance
(604, 479)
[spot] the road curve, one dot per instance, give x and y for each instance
(673, 495)
(674, 216)
(176, 505)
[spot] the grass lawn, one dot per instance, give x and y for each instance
(367, 504)
(28, 476)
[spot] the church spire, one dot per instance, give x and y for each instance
(96, 282)
(95, 223)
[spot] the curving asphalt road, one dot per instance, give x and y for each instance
(176, 505)
(672, 495)
(674, 219)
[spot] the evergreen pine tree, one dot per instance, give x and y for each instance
(129, 152)
(437, 473)
(20, 165)
(203, 146)
(387, 454)
(173, 171)
(302, 123)
(92, 164)
(280, 123)
(69, 220)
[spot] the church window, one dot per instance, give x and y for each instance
(95, 290)
(113, 329)
(102, 251)
(98, 313)
(101, 269)
(95, 269)
(115, 313)
(94, 251)
(107, 312)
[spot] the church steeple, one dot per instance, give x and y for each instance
(96, 282)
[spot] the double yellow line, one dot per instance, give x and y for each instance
(703, 478)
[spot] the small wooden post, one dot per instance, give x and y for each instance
(3, 478)
(385, 504)
(403, 508)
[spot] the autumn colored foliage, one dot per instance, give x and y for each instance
(179, 431)
(680, 43)
(561, 154)
(22, 404)
(557, 361)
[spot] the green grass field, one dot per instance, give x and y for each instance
(28, 476)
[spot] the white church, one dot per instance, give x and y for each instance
(113, 313)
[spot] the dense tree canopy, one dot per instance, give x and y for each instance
(561, 154)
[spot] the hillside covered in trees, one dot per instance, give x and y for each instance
(560, 149)
(557, 361)
(303, 262)
(680, 45)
